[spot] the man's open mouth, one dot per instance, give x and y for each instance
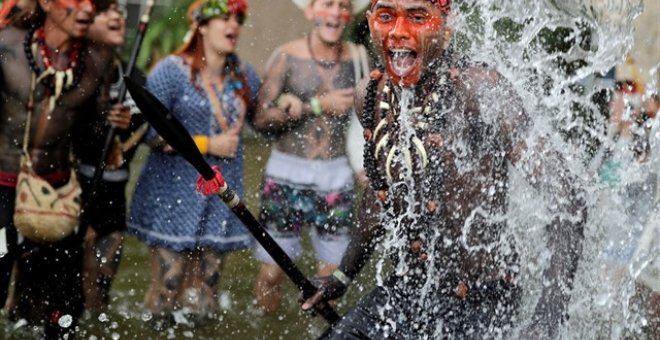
(333, 26)
(402, 60)
(84, 22)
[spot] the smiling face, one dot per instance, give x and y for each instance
(330, 18)
(108, 27)
(221, 33)
(410, 35)
(73, 17)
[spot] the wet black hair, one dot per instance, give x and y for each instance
(103, 5)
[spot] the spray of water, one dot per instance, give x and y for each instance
(551, 51)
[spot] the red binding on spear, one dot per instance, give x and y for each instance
(130, 65)
(211, 182)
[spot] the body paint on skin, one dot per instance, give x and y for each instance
(72, 5)
(409, 36)
(345, 15)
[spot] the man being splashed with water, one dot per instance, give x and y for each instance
(441, 135)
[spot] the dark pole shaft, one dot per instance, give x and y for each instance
(135, 52)
(176, 135)
(278, 255)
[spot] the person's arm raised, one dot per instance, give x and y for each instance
(546, 169)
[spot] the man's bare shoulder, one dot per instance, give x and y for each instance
(477, 74)
(100, 55)
(360, 92)
(482, 83)
(12, 36)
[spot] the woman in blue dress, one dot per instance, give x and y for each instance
(207, 88)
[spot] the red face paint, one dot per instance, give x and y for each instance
(330, 18)
(344, 15)
(74, 4)
(408, 33)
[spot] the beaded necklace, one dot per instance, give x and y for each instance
(381, 138)
(325, 64)
(56, 81)
(217, 106)
(231, 83)
(376, 125)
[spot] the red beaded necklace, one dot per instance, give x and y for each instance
(45, 53)
(57, 81)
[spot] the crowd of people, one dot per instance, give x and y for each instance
(61, 81)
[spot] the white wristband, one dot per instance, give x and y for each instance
(343, 278)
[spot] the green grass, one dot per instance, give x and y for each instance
(125, 318)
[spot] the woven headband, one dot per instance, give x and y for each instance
(214, 8)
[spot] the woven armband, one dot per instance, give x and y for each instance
(315, 106)
(202, 143)
(343, 278)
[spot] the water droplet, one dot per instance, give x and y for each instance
(103, 317)
(65, 321)
(224, 300)
(20, 323)
(146, 316)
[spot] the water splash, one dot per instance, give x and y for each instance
(551, 52)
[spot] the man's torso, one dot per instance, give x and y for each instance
(52, 153)
(320, 137)
(457, 167)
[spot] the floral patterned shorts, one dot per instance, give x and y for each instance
(286, 209)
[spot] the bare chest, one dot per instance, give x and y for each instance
(447, 161)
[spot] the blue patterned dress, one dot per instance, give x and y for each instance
(166, 210)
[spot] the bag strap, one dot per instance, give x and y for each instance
(28, 122)
(41, 127)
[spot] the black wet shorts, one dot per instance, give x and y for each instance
(105, 209)
(389, 312)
